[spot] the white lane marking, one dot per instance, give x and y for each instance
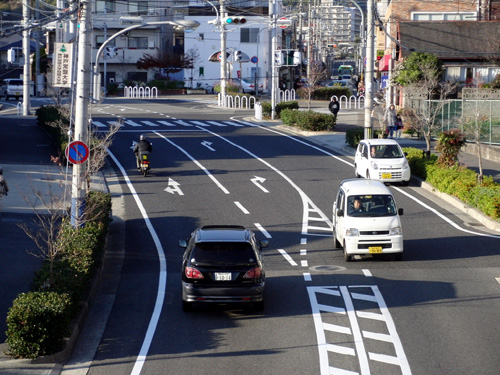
(232, 123)
(287, 257)
(258, 181)
(307, 276)
(183, 123)
(303, 263)
(132, 123)
(303, 241)
(149, 123)
(166, 123)
(200, 123)
(303, 252)
(243, 209)
(308, 205)
(262, 230)
(207, 144)
(367, 273)
(497, 279)
(216, 123)
(342, 303)
(99, 124)
(196, 162)
(162, 279)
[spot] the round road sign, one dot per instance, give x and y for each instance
(283, 19)
(254, 59)
(77, 152)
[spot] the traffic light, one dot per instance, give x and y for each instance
(297, 58)
(11, 55)
(111, 51)
(235, 20)
(237, 55)
(279, 58)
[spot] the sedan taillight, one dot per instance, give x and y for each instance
(254, 273)
(193, 273)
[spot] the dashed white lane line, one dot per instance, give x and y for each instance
(307, 276)
(263, 231)
(303, 263)
(287, 257)
(367, 273)
(243, 209)
(303, 252)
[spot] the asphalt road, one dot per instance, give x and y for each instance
(435, 312)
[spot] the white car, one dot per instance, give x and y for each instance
(12, 88)
(383, 160)
(366, 220)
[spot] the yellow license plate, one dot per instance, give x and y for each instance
(375, 249)
(386, 175)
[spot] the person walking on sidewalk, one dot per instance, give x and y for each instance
(390, 119)
(4, 188)
(334, 107)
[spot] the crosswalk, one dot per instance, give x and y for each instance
(170, 123)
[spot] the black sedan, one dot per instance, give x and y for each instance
(222, 264)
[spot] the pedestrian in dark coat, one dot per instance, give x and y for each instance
(334, 107)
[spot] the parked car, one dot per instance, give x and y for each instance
(383, 160)
(12, 88)
(366, 220)
(222, 264)
(247, 86)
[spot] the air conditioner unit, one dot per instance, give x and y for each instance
(151, 44)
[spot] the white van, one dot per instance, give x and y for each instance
(366, 220)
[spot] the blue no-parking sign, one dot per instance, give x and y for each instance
(77, 152)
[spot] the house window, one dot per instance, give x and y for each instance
(138, 7)
(248, 35)
(201, 71)
(201, 36)
(450, 16)
(99, 40)
(137, 76)
(137, 42)
(105, 6)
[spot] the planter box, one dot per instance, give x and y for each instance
(196, 91)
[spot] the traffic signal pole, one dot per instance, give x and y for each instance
(368, 131)
(81, 114)
(223, 56)
(27, 65)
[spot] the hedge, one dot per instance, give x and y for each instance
(267, 108)
(308, 120)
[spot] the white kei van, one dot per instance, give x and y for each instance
(366, 220)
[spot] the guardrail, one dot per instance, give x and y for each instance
(236, 101)
(352, 102)
(140, 92)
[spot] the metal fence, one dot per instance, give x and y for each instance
(457, 113)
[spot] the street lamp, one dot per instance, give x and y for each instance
(187, 25)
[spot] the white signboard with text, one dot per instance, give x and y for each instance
(63, 64)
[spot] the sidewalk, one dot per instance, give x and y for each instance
(16, 269)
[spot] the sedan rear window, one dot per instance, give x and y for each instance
(209, 253)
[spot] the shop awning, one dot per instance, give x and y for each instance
(384, 63)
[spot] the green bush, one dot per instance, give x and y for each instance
(266, 108)
(47, 115)
(457, 181)
(354, 136)
(307, 120)
(161, 84)
(324, 93)
(37, 323)
(112, 88)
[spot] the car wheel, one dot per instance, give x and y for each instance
(187, 306)
(356, 174)
(336, 243)
(347, 257)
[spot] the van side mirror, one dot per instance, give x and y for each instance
(400, 211)
(340, 213)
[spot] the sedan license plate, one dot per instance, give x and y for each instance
(386, 175)
(375, 249)
(223, 276)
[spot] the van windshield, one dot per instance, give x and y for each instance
(371, 205)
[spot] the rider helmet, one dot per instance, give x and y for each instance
(143, 137)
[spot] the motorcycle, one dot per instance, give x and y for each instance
(144, 163)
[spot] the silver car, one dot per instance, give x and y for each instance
(12, 88)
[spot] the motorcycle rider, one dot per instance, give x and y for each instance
(142, 146)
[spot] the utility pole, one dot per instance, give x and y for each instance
(368, 131)
(81, 114)
(27, 65)
(223, 56)
(275, 66)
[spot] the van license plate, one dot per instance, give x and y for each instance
(386, 175)
(375, 249)
(223, 276)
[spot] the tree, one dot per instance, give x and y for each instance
(168, 63)
(317, 72)
(191, 59)
(425, 92)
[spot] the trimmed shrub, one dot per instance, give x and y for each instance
(37, 323)
(266, 108)
(308, 120)
(354, 136)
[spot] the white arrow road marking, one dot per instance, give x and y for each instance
(207, 144)
(258, 181)
(173, 187)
